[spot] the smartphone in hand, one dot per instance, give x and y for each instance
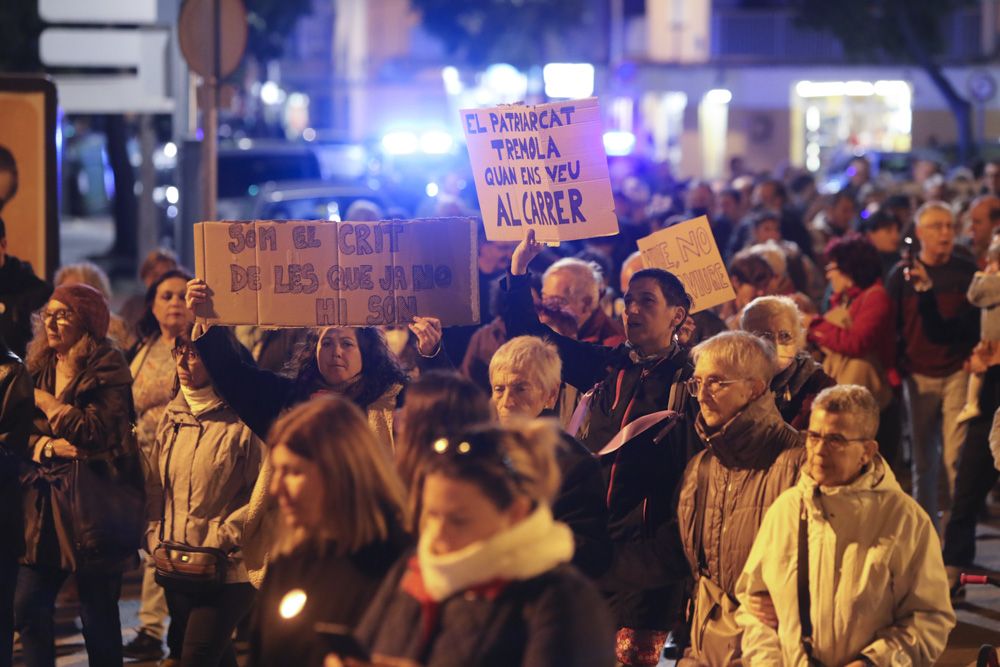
(340, 640)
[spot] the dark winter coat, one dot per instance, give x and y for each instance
(580, 504)
(795, 388)
(17, 408)
(97, 418)
(556, 618)
(338, 589)
(21, 294)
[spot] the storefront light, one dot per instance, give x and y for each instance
(618, 143)
(568, 80)
(718, 96)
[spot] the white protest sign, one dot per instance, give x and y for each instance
(688, 250)
(541, 167)
(317, 273)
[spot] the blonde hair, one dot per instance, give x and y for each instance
(742, 353)
(531, 356)
(87, 273)
(517, 460)
(363, 499)
(768, 308)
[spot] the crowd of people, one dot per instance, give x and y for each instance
(593, 475)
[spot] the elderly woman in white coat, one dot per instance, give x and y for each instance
(877, 589)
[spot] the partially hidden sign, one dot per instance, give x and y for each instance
(541, 167)
(319, 273)
(688, 250)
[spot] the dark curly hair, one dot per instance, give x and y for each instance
(856, 258)
(380, 368)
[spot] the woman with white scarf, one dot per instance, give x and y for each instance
(491, 581)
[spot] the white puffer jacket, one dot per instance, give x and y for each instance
(877, 580)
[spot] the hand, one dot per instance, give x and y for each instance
(44, 400)
(428, 333)
(762, 607)
(526, 250)
(333, 660)
(197, 293)
(63, 449)
(917, 276)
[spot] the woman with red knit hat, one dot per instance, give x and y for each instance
(84, 496)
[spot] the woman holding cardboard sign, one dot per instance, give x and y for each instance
(351, 361)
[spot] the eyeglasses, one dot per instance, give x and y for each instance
(478, 447)
(183, 349)
(61, 316)
(834, 441)
(776, 337)
(713, 384)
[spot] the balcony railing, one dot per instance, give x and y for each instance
(740, 35)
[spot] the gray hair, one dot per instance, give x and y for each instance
(933, 205)
(853, 400)
(742, 353)
(86, 273)
(768, 308)
(530, 356)
(587, 277)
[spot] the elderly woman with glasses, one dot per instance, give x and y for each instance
(525, 378)
(84, 442)
(491, 581)
(751, 455)
(799, 377)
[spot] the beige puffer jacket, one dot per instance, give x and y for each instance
(214, 464)
(877, 581)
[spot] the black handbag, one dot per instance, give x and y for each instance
(101, 504)
(182, 568)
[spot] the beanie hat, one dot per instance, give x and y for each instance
(88, 304)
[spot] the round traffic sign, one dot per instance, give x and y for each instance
(201, 23)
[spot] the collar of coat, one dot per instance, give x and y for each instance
(753, 438)
(794, 377)
(106, 367)
(876, 477)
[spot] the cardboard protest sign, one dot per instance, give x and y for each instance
(541, 167)
(688, 250)
(318, 273)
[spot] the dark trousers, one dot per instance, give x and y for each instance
(8, 581)
(207, 623)
(976, 476)
(34, 614)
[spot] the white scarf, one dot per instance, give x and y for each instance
(527, 549)
(200, 400)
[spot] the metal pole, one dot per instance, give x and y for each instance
(210, 121)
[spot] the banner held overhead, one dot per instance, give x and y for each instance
(688, 251)
(541, 167)
(319, 273)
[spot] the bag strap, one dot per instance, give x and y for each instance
(700, 501)
(166, 483)
(805, 618)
